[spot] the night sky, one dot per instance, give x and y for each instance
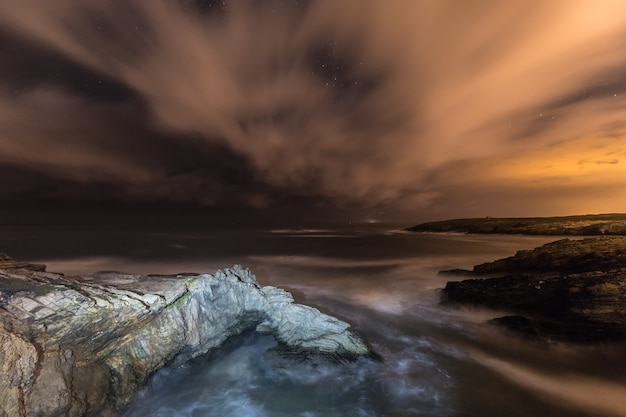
(310, 110)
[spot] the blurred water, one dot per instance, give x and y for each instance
(437, 361)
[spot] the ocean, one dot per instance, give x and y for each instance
(437, 360)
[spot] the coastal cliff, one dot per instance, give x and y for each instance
(584, 225)
(82, 346)
(570, 290)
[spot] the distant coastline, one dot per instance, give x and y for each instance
(567, 290)
(583, 225)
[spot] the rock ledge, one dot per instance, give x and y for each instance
(82, 346)
(570, 290)
(585, 225)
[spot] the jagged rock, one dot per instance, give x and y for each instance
(82, 346)
(567, 290)
(564, 256)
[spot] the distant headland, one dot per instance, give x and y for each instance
(583, 225)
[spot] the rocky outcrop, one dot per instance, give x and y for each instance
(586, 225)
(564, 256)
(82, 346)
(567, 290)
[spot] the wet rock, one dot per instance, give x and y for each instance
(567, 290)
(82, 346)
(564, 256)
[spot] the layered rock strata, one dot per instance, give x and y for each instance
(82, 346)
(572, 290)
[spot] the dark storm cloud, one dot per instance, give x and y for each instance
(291, 93)
(348, 102)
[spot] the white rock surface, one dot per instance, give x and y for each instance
(82, 346)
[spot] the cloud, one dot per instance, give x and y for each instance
(364, 102)
(52, 132)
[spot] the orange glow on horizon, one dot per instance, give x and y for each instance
(581, 161)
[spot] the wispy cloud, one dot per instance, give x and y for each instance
(364, 102)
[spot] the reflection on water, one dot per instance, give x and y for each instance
(437, 361)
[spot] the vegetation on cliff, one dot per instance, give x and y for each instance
(585, 225)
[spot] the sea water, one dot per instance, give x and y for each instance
(437, 360)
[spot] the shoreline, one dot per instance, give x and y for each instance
(84, 345)
(567, 290)
(583, 225)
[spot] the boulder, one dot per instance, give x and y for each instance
(82, 346)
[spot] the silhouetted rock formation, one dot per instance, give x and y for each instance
(567, 290)
(82, 346)
(586, 225)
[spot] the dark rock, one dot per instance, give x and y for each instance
(458, 272)
(586, 225)
(566, 290)
(563, 256)
(517, 293)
